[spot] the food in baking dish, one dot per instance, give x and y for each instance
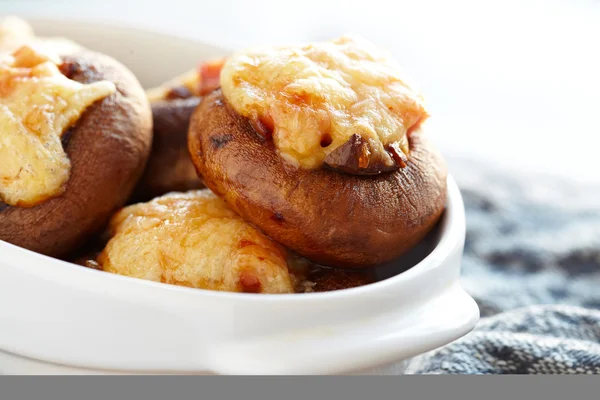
(315, 156)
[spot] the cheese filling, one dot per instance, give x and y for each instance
(37, 105)
(194, 239)
(315, 98)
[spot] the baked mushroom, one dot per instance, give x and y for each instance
(323, 148)
(75, 135)
(169, 167)
(194, 239)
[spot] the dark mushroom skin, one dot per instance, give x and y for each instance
(108, 147)
(328, 279)
(169, 167)
(329, 217)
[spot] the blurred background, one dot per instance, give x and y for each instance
(515, 83)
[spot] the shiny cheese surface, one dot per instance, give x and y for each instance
(193, 239)
(37, 105)
(314, 98)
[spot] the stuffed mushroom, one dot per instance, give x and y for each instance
(75, 133)
(323, 147)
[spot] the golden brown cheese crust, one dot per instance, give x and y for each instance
(193, 239)
(37, 104)
(328, 217)
(316, 98)
(108, 148)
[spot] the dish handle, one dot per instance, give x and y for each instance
(360, 346)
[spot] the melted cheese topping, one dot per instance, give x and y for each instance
(315, 97)
(37, 105)
(193, 239)
(196, 82)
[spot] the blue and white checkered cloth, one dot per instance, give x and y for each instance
(532, 263)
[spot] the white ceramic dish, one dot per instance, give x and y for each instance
(77, 319)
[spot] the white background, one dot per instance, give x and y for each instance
(515, 83)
